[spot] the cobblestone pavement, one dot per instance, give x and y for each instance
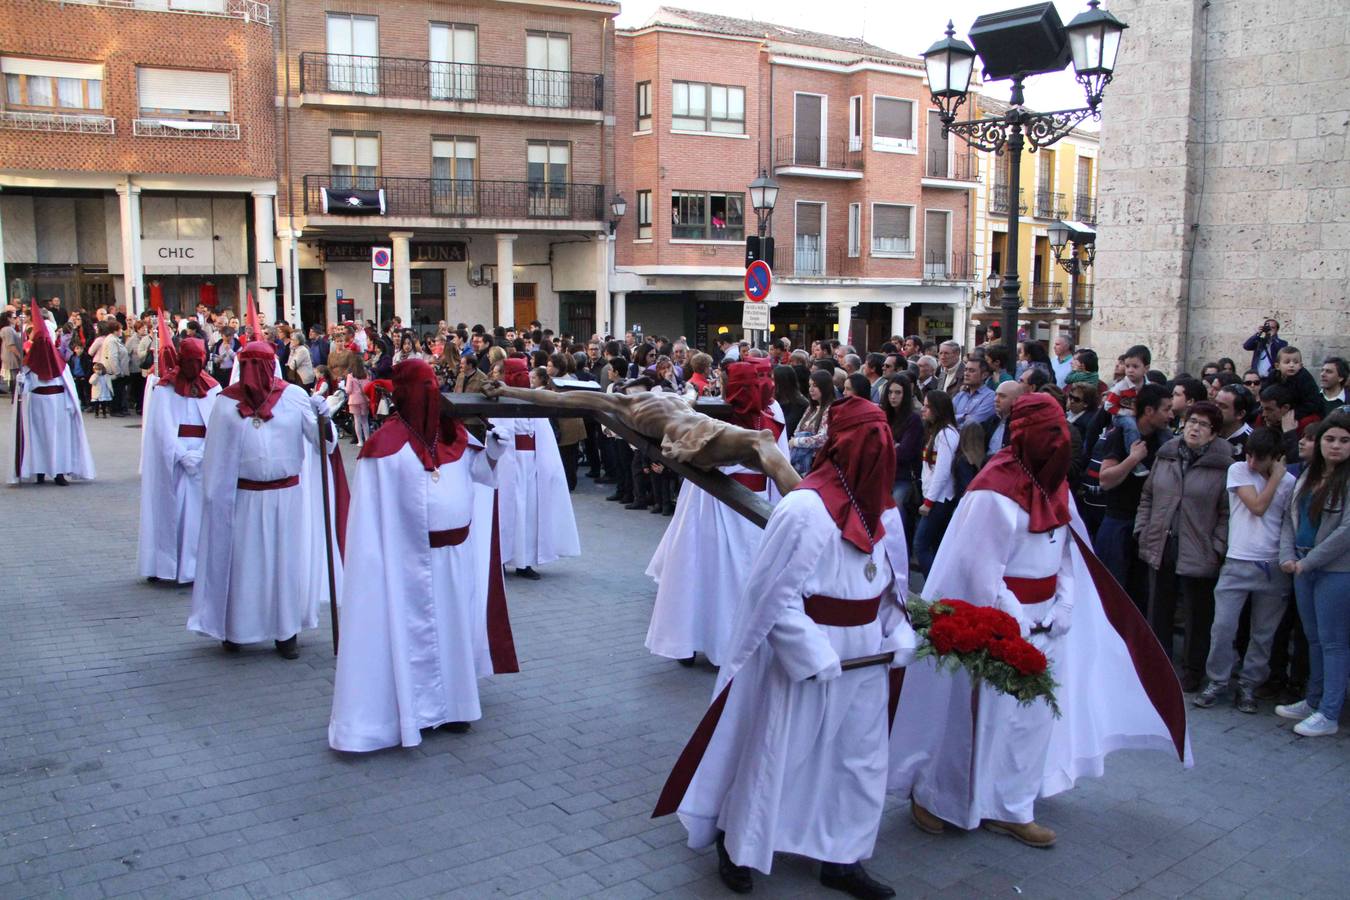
(136, 758)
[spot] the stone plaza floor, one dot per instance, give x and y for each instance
(139, 759)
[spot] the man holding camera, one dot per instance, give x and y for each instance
(1265, 346)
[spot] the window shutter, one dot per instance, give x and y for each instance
(368, 152)
(891, 221)
(341, 151)
(12, 65)
(894, 119)
(184, 89)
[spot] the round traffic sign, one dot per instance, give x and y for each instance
(381, 258)
(758, 281)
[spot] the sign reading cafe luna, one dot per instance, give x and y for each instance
(175, 252)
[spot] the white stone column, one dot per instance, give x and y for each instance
(506, 280)
(961, 322)
(129, 201)
(264, 254)
(292, 311)
(898, 317)
(402, 277)
(620, 323)
(602, 257)
(845, 319)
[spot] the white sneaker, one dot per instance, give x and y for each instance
(1316, 725)
(1300, 710)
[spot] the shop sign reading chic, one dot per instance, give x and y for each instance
(174, 252)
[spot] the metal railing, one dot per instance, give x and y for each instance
(952, 166)
(1045, 295)
(1085, 210)
(1084, 298)
(1050, 205)
(17, 120)
(808, 256)
(809, 151)
(1001, 194)
(469, 198)
(247, 10)
(424, 79)
(940, 265)
(176, 128)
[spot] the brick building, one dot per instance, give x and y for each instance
(873, 225)
(136, 148)
(470, 139)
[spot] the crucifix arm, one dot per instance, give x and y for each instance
(591, 401)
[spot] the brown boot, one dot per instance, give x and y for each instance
(925, 820)
(1029, 833)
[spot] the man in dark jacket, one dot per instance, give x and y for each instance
(1265, 346)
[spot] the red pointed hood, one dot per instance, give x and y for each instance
(257, 389)
(43, 359)
(189, 378)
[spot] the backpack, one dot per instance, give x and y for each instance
(1090, 491)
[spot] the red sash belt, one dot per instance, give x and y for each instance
(755, 482)
(1032, 590)
(842, 613)
(449, 537)
(248, 484)
(192, 431)
(50, 389)
(524, 442)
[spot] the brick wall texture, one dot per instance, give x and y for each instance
(1225, 186)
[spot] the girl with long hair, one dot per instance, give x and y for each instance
(897, 400)
(815, 424)
(939, 488)
(788, 395)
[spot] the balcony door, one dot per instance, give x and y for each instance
(808, 129)
(548, 165)
(454, 59)
(809, 255)
(454, 163)
(548, 57)
(936, 243)
(353, 54)
(939, 148)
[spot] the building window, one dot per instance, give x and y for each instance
(893, 125)
(855, 230)
(855, 124)
(644, 106)
(892, 229)
(936, 232)
(707, 216)
(354, 159)
(353, 54)
(644, 214)
(454, 170)
(184, 94)
(548, 166)
(548, 57)
(49, 85)
(453, 66)
(809, 248)
(707, 107)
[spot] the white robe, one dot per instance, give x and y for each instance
(707, 537)
(48, 431)
(994, 763)
(414, 618)
(537, 522)
(171, 484)
(261, 560)
(794, 765)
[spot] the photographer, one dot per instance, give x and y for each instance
(1265, 346)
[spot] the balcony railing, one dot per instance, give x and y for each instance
(952, 166)
(809, 255)
(469, 198)
(940, 265)
(176, 128)
(15, 120)
(1050, 205)
(248, 10)
(1084, 298)
(1000, 196)
(809, 151)
(1046, 295)
(423, 79)
(1085, 210)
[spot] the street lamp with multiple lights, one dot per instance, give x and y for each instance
(763, 197)
(1082, 244)
(1016, 44)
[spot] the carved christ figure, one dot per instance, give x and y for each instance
(686, 436)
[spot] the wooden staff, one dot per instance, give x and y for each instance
(862, 662)
(328, 528)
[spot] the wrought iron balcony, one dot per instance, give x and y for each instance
(810, 152)
(1045, 295)
(1000, 196)
(1084, 298)
(1050, 205)
(1085, 210)
(248, 10)
(952, 166)
(941, 265)
(469, 198)
(69, 123)
(401, 78)
(179, 128)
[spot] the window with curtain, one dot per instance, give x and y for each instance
(707, 215)
(353, 53)
(454, 173)
(184, 94)
(548, 57)
(453, 66)
(707, 107)
(892, 231)
(643, 106)
(52, 85)
(855, 229)
(354, 159)
(548, 169)
(644, 214)
(893, 125)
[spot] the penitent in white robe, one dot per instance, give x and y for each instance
(415, 619)
(171, 484)
(48, 431)
(966, 758)
(261, 560)
(709, 541)
(798, 765)
(535, 508)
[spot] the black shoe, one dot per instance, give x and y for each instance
(1273, 689)
(41, 478)
(854, 881)
(529, 573)
(230, 646)
(1246, 702)
(1210, 695)
(737, 878)
(616, 497)
(61, 480)
(668, 509)
(1191, 682)
(456, 727)
(289, 648)
(688, 662)
(636, 504)
(655, 510)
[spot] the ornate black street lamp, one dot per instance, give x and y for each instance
(1082, 243)
(1016, 44)
(617, 207)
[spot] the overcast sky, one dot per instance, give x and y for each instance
(905, 26)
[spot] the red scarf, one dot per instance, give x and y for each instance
(516, 372)
(189, 379)
(859, 446)
(258, 389)
(1033, 468)
(43, 360)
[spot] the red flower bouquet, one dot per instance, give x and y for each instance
(988, 644)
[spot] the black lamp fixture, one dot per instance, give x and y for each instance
(991, 283)
(1094, 40)
(617, 207)
(763, 194)
(1082, 244)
